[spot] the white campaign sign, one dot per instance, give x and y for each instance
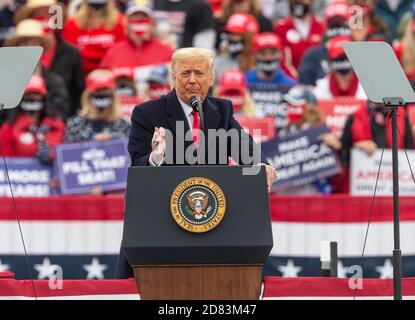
(364, 169)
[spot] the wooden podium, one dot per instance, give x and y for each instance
(199, 282)
(171, 263)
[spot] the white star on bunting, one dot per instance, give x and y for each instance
(289, 270)
(46, 269)
(386, 271)
(95, 269)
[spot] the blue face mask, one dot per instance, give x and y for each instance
(269, 67)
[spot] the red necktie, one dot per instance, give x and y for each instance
(196, 128)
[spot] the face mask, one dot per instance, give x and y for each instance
(236, 98)
(295, 113)
(125, 91)
(299, 10)
(155, 91)
(235, 48)
(338, 31)
(97, 6)
(343, 66)
(140, 26)
(32, 105)
(269, 67)
(101, 102)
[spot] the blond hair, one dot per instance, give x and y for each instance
(191, 53)
(111, 15)
(113, 113)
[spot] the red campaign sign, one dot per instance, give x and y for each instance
(265, 125)
(128, 104)
(337, 111)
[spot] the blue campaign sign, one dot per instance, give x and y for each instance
(85, 165)
(29, 177)
(268, 101)
(301, 158)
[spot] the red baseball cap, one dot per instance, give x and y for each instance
(36, 85)
(335, 46)
(242, 23)
(232, 79)
(103, 79)
(267, 40)
(216, 5)
(123, 72)
(337, 9)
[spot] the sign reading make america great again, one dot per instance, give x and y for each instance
(85, 165)
(301, 158)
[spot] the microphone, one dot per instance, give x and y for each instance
(197, 106)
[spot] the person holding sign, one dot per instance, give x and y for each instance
(268, 81)
(100, 117)
(368, 129)
(32, 129)
(302, 114)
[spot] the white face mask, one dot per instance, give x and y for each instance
(101, 102)
(32, 105)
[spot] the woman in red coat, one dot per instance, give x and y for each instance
(95, 28)
(32, 130)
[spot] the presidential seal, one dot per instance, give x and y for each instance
(198, 204)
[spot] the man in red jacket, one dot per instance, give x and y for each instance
(141, 48)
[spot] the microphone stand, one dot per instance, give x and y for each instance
(394, 102)
(198, 107)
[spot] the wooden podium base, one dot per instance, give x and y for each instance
(201, 282)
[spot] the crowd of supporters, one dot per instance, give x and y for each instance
(275, 59)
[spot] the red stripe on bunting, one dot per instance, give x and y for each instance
(11, 287)
(338, 209)
(64, 208)
(275, 287)
(317, 209)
